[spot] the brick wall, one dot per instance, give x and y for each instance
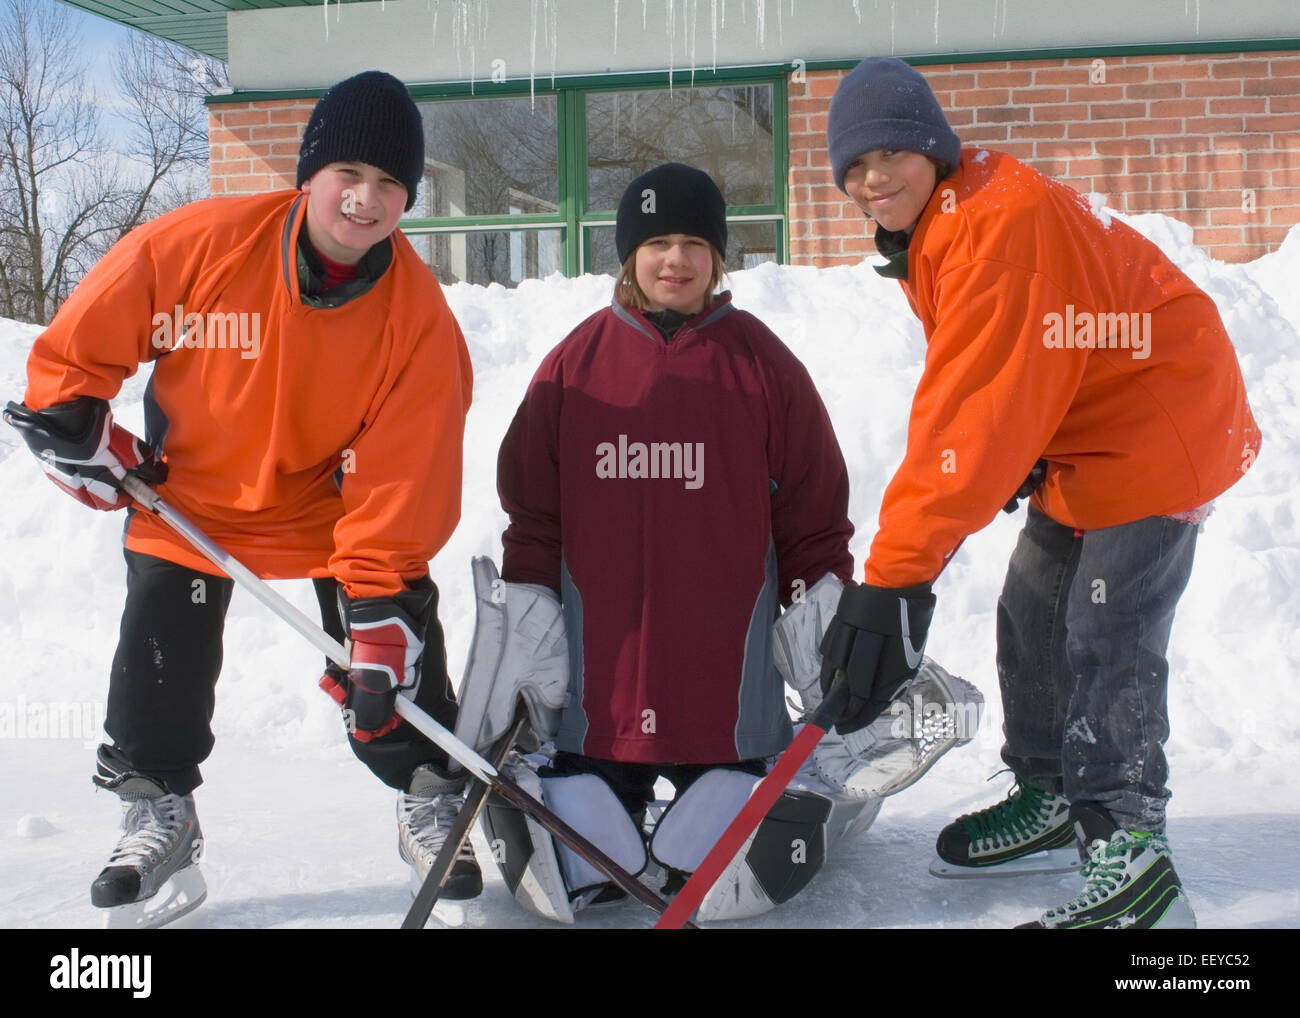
(253, 146)
(1212, 140)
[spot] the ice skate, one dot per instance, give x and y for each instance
(152, 877)
(425, 814)
(1027, 832)
(1129, 883)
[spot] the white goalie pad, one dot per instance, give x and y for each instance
(525, 851)
(519, 653)
(797, 638)
(930, 715)
(697, 818)
(587, 804)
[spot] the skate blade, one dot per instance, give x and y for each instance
(181, 894)
(1055, 860)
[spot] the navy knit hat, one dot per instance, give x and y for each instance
(369, 118)
(883, 103)
(672, 198)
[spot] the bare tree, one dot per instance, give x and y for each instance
(64, 199)
(48, 129)
(163, 87)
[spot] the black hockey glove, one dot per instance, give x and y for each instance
(387, 636)
(84, 452)
(875, 639)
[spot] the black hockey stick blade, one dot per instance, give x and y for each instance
(431, 889)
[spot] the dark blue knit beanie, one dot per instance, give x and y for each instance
(369, 118)
(672, 198)
(885, 104)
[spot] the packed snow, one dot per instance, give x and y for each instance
(299, 834)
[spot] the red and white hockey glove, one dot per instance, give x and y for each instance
(387, 636)
(84, 452)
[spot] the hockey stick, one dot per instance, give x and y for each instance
(760, 802)
(423, 904)
(465, 755)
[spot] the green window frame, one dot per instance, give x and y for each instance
(573, 218)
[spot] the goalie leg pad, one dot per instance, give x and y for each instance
(587, 804)
(519, 653)
(524, 852)
(697, 817)
(779, 860)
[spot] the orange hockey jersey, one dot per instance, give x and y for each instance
(1058, 333)
(306, 440)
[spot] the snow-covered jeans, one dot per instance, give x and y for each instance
(1083, 628)
(162, 687)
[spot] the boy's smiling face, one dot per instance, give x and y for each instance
(891, 186)
(350, 208)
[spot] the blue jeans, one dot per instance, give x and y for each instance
(1083, 628)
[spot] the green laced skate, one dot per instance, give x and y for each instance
(1129, 883)
(1029, 821)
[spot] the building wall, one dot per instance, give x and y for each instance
(1211, 140)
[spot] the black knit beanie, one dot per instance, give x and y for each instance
(885, 104)
(369, 118)
(671, 198)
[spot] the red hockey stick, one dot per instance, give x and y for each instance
(761, 800)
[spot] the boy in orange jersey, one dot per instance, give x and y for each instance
(1068, 360)
(307, 411)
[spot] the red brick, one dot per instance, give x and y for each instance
(1104, 129)
(1285, 103)
(1222, 199)
(1237, 253)
(1268, 86)
(1239, 69)
(1269, 160)
(1157, 200)
(1219, 88)
(959, 118)
(822, 85)
(1038, 131)
(948, 81)
(1022, 150)
(1027, 96)
(1156, 164)
(1240, 179)
(1234, 216)
(1002, 114)
(1116, 111)
(1127, 147)
(1178, 108)
(245, 118)
(229, 167)
(1004, 79)
(291, 115)
(1062, 76)
(1049, 113)
(1287, 176)
(1281, 122)
(982, 97)
(1179, 68)
(1096, 93)
(1286, 141)
(250, 183)
(1252, 104)
(1179, 144)
(1087, 167)
(1205, 162)
(1161, 90)
(1237, 142)
(1217, 235)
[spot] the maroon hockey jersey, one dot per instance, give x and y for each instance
(674, 494)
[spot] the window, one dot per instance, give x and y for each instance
(523, 186)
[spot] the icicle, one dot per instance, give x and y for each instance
(615, 27)
(553, 11)
(760, 9)
(936, 22)
(532, 57)
(643, 3)
(714, 22)
(672, 18)
(893, 14)
(689, 27)
(325, 9)
(857, 9)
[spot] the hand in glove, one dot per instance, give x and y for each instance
(387, 635)
(875, 639)
(84, 452)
